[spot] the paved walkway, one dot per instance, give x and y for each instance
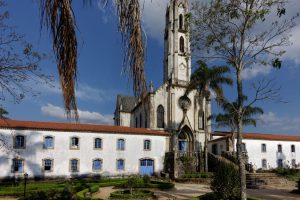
(186, 191)
(273, 194)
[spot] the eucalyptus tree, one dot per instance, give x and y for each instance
(206, 79)
(58, 16)
(229, 119)
(243, 34)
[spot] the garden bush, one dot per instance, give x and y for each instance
(136, 194)
(226, 183)
(161, 185)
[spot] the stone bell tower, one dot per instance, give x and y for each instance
(177, 55)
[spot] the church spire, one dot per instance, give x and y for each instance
(177, 58)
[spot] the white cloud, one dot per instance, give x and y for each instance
(281, 124)
(255, 71)
(84, 116)
(153, 17)
(84, 92)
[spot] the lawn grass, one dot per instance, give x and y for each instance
(9, 189)
(81, 187)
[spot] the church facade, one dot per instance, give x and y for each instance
(168, 108)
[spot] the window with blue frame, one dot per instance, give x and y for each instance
(147, 145)
(19, 142)
(48, 165)
(121, 144)
(74, 165)
(98, 143)
(48, 142)
(120, 164)
(18, 165)
(97, 165)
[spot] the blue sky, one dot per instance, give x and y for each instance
(100, 67)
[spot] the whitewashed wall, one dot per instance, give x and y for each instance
(61, 154)
(272, 155)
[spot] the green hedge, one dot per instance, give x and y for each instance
(136, 194)
(198, 175)
(225, 183)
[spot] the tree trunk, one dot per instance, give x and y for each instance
(241, 161)
(206, 132)
(232, 138)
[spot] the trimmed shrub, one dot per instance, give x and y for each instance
(135, 182)
(146, 179)
(136, 194)
(226, 183)
(161, 185)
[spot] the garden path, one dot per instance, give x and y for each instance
(104, 192)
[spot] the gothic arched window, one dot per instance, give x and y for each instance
(181, 44)
(160, 116)
(180, 22)
(201, 120)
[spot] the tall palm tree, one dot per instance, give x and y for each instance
(58, 16)
(229, 118)
(206, 79)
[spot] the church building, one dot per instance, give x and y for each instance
(150, 135)
(168, 108)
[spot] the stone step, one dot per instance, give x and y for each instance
(268, 180)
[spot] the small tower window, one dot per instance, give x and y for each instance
(180, 22)
(201, 120)
(160, 117)
(140, 120)
(181, 44)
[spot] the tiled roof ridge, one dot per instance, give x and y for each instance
(60, 126)
(260, 136)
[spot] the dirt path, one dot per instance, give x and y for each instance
(8, 198)
(104, 192)
(181, 191)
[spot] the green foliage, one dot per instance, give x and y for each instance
(135, 182)
(198, 175)
(8, 189)
(226, 183)
(146, 179)
(136, 194)
(162, 185)
(293, 174)
(186, 162)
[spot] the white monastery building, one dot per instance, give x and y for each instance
(44, 149)
(149, 134)
(265, 151)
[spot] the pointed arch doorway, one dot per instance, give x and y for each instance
(185, 140)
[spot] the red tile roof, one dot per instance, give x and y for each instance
(73, 127)
(259, 136)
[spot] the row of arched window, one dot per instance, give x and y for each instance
(279, 148)
(74, 165)
(20, 143)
